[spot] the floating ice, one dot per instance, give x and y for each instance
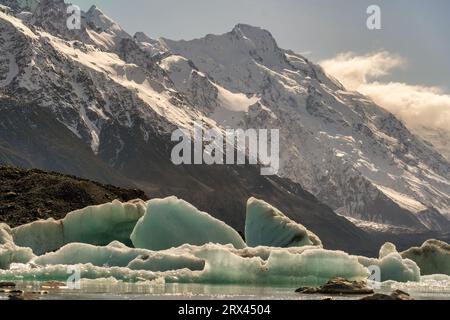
(41, 236)
(172, 222)
(115, 254)
(97, 225)
(103, 224)
(392, 265)
(161, 261)
(210, 263)
(267, 226)
(433, 257)
(311, 267)
(9, 252)
(193, 247)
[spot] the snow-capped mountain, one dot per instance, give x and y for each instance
(122, 96)
(349, 152)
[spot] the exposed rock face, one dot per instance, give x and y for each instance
(339, 286)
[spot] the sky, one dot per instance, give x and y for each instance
(416, 30)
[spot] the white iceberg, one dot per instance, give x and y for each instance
(98, 225)
(103, 224)
(172, 222)
(166, 261)
(265, 225)
(433, 257)
(392, 266)
(115, 254)
(210, 263)
(9, 252)
(41, 236)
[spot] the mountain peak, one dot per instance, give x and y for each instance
(99, 19)
(256, 34)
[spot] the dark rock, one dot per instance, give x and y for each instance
(396, 295)
(7, 285)
(16, 295)
(338, 286)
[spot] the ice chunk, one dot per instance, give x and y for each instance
(160, 261)
(172, 222)
(5, 234)
(392, 265)
(9, 252)
(311, 267)
(387, 249)
(433, 257)
(115, 254)
(103, 224)
(267, 226)
(42, 236)
(98, 225)
(210, 263)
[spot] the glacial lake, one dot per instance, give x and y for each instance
(105, 290)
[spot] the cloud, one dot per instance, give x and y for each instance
(353, 71)
(418, 106)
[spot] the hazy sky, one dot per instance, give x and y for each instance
(416, 30)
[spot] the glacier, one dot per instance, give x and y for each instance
(267, 226)
(171, 222)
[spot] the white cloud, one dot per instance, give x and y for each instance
(353, 71)
(418, 106)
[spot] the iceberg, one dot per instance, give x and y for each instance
(209, 263)
(311, 267)
(267, 226)
(115, 254)
(41, 236)
(10, 253)
(98, 225)
(433, 257)
(160, 261)
(392, 265)
(172, 222)
(103, 224)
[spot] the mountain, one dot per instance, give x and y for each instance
(102, 104)
(352, 154)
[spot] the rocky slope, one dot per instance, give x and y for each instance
(29, 195)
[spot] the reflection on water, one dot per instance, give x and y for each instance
(112, 289)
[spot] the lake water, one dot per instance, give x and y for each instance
(106, 289)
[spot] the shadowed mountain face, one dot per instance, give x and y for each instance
(100, 104)
(220, 190)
